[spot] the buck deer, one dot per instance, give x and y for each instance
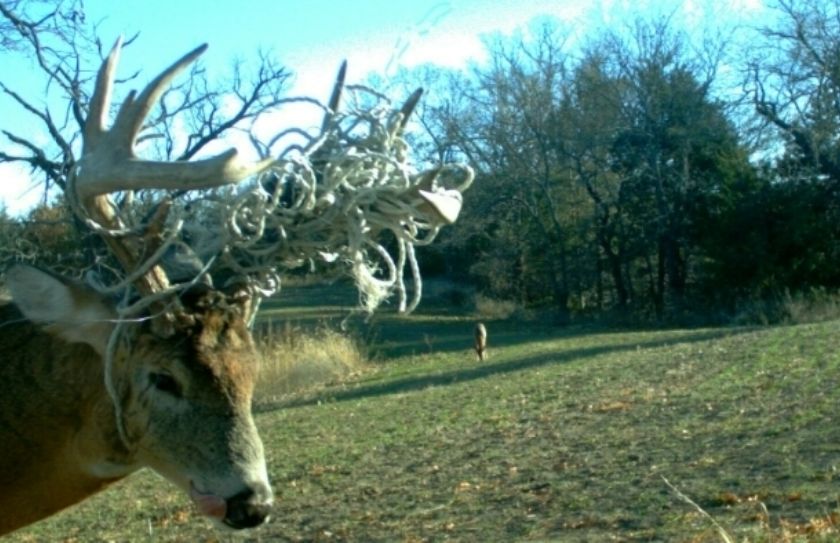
(480, 341)
(87, 398)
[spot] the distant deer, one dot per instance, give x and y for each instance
(480, 341)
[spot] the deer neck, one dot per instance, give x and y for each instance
(61, 445)
(97, 446)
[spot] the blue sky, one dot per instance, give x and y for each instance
(311, 38)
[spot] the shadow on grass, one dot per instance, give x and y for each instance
(420, 382)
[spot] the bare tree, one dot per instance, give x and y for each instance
(328, 199)
(795, 81)
(65, 48)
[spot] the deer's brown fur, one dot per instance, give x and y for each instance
(58, 424)
(480, 341)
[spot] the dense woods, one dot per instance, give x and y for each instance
(641, 176)
(632, 174)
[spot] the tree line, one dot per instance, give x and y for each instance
(641, 175)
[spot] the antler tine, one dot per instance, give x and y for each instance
(335, 96)
(409, 105)
(108, 162)
(100, 102)
(134, 111)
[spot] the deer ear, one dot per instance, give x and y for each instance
(68, 309)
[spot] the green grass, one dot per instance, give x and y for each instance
(562, 435)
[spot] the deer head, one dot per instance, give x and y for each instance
(180, 382)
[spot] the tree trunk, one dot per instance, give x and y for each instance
(614, 261)
(659, 290)
(561, 287)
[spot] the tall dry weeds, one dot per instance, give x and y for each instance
(295, 358)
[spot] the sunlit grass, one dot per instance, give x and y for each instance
(562, 435)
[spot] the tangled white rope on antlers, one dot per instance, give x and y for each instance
(332, 198)
(328, 200)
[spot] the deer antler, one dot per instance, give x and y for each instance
(108, 161)
(109, 164)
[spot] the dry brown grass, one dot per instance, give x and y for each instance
(814, 305)
(295, 359)
(490, 308)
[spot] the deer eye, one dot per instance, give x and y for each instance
(165, 383)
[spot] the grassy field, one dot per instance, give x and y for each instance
(562, 435)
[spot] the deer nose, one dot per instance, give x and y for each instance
(248, 509)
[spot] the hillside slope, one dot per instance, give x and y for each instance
(564, 436)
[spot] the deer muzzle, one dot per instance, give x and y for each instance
(247, 509)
